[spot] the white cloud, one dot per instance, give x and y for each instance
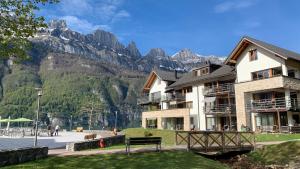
(102, 10)
(82, 25)
(233, 5)
(86, 16)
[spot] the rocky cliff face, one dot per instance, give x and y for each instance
(104, 46)
(76, 69)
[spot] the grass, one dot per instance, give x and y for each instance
(276, 137)
(281, 154)
(168, 136)
(168, 159)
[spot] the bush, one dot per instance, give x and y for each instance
(147, 133)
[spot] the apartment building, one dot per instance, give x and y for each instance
(257, 88)
(267, 88)
(200, 100)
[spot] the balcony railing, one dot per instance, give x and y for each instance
(280, 104)
(219, 89)
(174, 97)
(220, 108)
(152, 98)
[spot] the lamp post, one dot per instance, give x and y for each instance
(116, 119)
(39, 90)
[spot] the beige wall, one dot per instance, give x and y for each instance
(243, 94)
(185, 113)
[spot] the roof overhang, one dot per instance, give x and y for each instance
(151, 78)
(241, 46)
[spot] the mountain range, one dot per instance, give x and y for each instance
(77, 70)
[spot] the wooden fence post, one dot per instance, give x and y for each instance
(188, 141)
(223, 141)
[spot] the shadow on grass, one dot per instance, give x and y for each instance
(153, 160)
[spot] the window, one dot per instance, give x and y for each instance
(261, 74)
(188, 90)
(277, 71)
(253, 55)
(189, 105)
(291, 73)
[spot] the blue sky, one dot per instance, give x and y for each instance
(207, 27)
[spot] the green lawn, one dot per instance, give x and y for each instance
(277, 154)
(152, 160)
(276, 137)
(168, 136)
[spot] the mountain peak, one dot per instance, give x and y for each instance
(157, 52)
(57, 24)
(133, 50)
(184, 53)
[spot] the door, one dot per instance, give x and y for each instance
(283, 119)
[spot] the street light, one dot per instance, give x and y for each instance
(39, 90)
(116, 119)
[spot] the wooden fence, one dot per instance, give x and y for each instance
(208, 141)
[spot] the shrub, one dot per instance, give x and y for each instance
(147, 133)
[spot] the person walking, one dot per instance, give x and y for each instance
(56, 130)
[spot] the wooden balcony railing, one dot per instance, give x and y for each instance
(220, 108)
(219, 89)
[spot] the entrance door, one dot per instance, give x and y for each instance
(296, 119)
(283, 119)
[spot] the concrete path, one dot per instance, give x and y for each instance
(63, 152)
(54, 142)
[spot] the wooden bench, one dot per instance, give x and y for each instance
(90, 136)
(143, 141)
(79, 129)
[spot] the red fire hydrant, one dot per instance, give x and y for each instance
(101, 143)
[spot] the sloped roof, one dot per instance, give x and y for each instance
(190, 78)
(167, 75)
(278, 51)
(163, 75)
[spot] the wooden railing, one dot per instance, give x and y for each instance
(216, 141)
(219, 89)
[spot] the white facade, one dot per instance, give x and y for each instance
(265, 60)
(198, 104)
(159, 86)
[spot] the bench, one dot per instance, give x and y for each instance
(143, 141)
(90, 136)
(79, 129)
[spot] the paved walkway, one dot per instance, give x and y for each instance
(54, 142)
(63, 152)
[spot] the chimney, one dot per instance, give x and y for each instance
(176, 75)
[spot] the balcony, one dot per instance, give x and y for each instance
(219, 89)
(274, 82)
(273, 105)
(173, 97)
(149, 99)
(220, 109)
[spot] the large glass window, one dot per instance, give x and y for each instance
(264, 74)
(211, 123)
(267, 120)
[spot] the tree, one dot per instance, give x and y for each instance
(92, 107)
(18, 22)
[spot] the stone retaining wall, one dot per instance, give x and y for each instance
(91, 144)
(16, 156)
